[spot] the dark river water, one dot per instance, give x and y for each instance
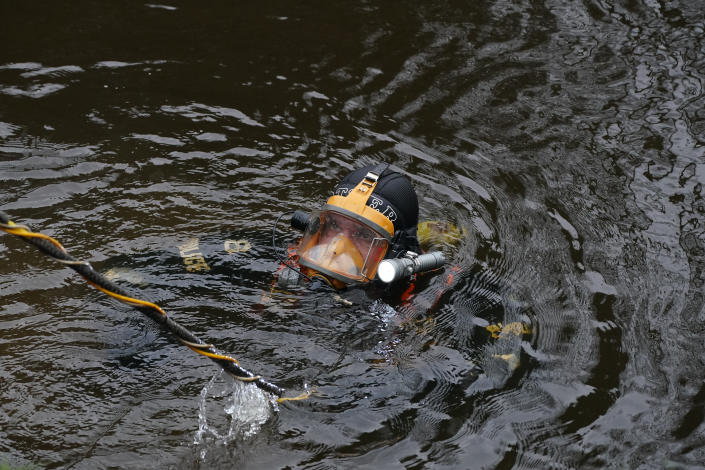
(565, 139)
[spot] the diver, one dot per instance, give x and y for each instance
(365, 233)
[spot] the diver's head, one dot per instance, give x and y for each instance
(372, 214)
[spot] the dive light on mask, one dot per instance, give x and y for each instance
(390, 270)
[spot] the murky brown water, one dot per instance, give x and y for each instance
(567, 137)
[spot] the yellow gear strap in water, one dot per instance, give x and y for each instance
(303, 396)
(24, 231)
(437, 234)
(514, 328)
(221, 357)
(128, 300)
(85, 269)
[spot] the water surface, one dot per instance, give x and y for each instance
(565, 137)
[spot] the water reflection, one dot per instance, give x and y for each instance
(564, 137)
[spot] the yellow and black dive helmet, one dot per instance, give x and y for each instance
(372, 215)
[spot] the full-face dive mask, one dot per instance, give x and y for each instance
(372, 216)
(348, 238)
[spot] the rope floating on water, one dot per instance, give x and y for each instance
(53, 248)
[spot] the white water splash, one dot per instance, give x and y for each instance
(246, 408)
(389, 319)
(384, 312)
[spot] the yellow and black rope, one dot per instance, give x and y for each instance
(53, 248)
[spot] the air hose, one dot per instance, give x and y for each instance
(53, 248)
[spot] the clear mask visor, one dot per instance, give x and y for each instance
(342, 247)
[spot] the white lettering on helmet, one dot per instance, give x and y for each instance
(390, 214)
(343, 191)
(375, 202)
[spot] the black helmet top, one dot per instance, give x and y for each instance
(396, 198)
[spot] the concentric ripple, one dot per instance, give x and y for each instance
(559, 142)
